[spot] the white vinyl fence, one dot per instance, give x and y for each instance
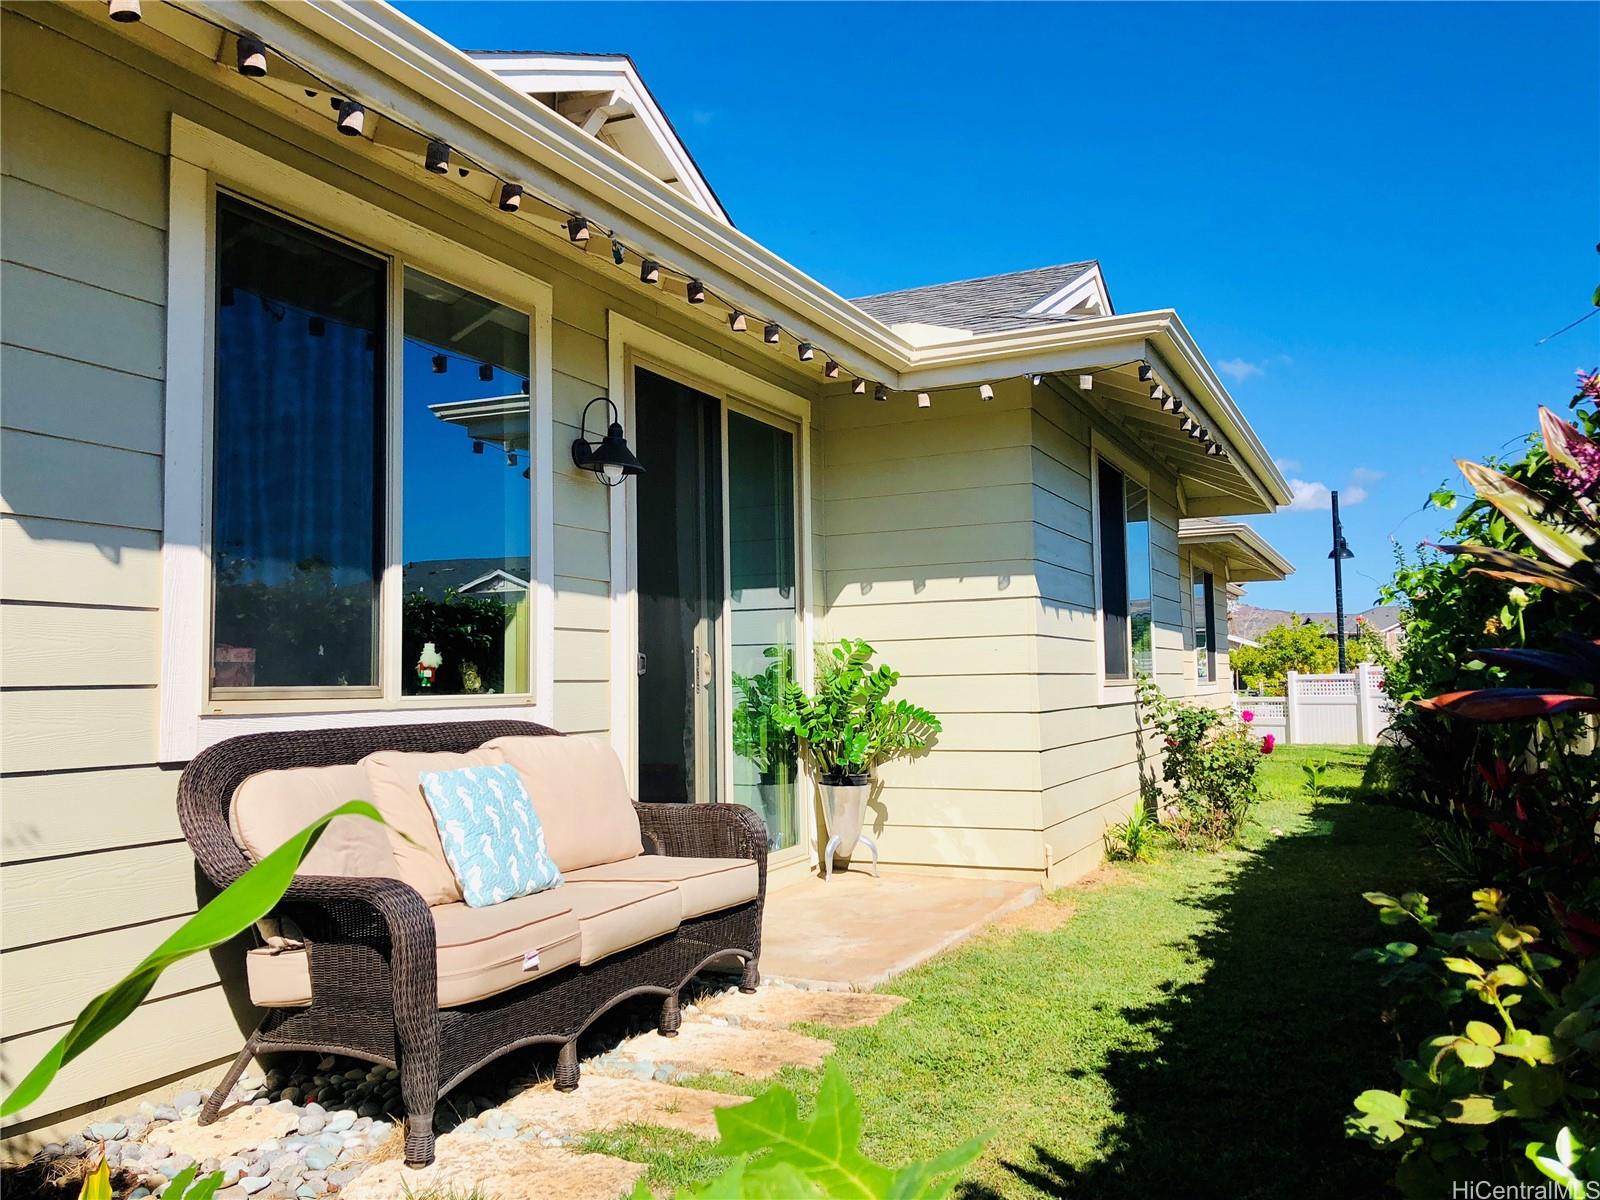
(1339, 710)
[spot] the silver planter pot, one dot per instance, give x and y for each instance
(844, 807)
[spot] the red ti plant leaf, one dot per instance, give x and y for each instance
(1508, 704)
(1531, 513)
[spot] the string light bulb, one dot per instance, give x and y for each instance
(510, 197)
(252, 57)
(771, 333)
(352, 118)
(830, 369)
(486, 372)
(477, 447)
(126, 11)
(619, 255)
(1147, 373)
(1172, 405)
(924, 400)
(649, 271)
(511, 459)
(737, 322)
(441, 364)
(858, 387)
(806, 352)
(695, 292)
(1036, 379)
(880, 392)
(985, 392)
(578, 232)
(1085, 382)
(438, 158)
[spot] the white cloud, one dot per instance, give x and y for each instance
(1308, 497)
(1316, 496)
(1365, 475)
(1239, 369)
(1287, 464)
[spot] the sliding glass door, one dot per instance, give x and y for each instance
(763, 618)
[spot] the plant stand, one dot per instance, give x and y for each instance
(843, 806)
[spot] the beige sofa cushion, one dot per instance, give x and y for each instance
(394, 776)
(704, 884)
(482, 951)
(618, 916)
(272, 806)
(578, 789)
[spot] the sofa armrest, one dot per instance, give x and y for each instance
(704, 831)
(347, 904)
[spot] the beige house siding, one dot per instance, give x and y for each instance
(927, 533)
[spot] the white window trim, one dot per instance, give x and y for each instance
(1113, 691)
(201, 160)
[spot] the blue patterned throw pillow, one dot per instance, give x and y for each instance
(491, 835)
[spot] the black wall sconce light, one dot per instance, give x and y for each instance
(609, 458)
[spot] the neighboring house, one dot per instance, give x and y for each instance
(1385, 619)
(256, 363)
(1235, 553)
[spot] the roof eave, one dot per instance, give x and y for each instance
(1261, 563)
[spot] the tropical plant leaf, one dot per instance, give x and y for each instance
(1530, 513)
(237, 907)
(1508, 704)
(1562, 441)
(97, 1183)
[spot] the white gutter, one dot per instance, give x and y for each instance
(390, 61)
(1211, 533)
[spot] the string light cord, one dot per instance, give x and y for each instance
(568, 218)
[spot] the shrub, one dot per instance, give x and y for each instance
(1131, 840)
(1517, 1063)
(1210, 761)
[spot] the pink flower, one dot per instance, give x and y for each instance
(1247, 716)
(1267, 743)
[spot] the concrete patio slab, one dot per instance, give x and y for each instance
(507, 1170)
(701, 1048)
(854, 932)
(779, 1008)
(607, 1102)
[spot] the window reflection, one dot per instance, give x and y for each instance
(466, 536)
(1140, 624)
(297, 457)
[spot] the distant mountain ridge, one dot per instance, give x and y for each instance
(1249, 622)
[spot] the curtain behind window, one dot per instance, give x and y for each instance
(296, 518)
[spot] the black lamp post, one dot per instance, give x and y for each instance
(609, 458)
(1341, 551)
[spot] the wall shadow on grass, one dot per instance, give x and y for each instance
(1255, 1065)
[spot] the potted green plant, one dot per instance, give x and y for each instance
(848, 726)
(761, 741)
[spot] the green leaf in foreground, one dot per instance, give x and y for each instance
(782, 1157)
(238, 906)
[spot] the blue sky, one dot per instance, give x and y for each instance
(1367, 214)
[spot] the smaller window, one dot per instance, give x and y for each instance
(1205, 638)
(1125, 607)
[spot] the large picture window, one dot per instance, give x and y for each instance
(1126, 629)
(307, 518)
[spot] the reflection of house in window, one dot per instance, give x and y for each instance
(497, 422)
(497, 582)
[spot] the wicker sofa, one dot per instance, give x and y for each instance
(359, 962)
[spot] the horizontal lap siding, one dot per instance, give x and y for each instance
(94, 869)
(1089, 740)
(927, 530)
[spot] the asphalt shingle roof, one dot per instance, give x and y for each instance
(993, 304)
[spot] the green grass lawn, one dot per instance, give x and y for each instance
(1196, 1028)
